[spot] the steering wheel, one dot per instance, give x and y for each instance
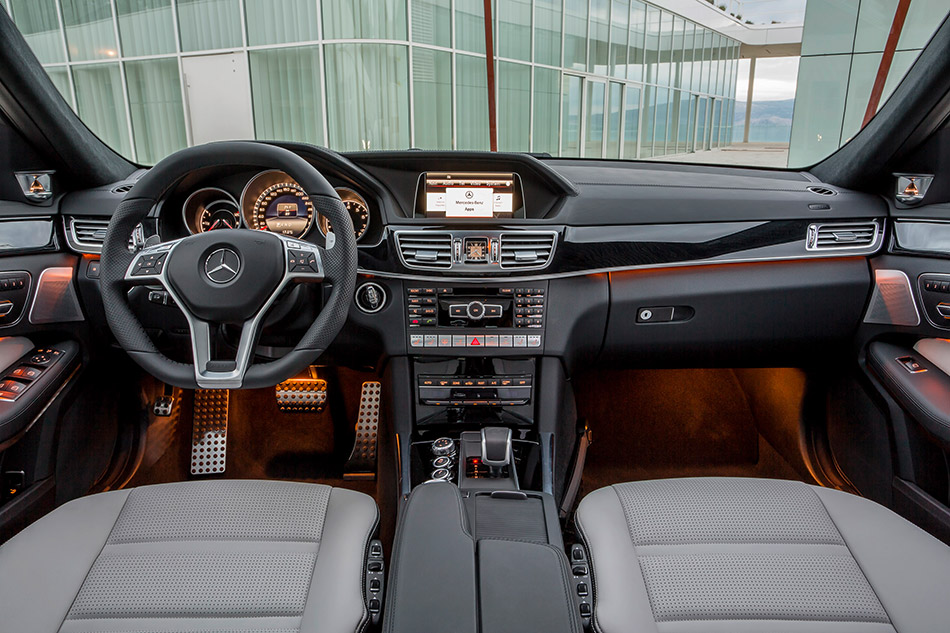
(226, 276)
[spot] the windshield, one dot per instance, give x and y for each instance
(768, 83)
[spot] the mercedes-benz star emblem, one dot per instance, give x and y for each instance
(222, 266)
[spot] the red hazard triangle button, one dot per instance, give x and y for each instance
(474, 342)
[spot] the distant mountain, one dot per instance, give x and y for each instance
(771, 121)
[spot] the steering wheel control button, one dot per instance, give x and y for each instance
(149, 264)
(222, 266)
(371, 298)
(302, 261)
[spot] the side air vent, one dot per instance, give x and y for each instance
(822, 191)
(843, 236)
(425, 249)
(86, 235)
(123, 189)
(526, 249)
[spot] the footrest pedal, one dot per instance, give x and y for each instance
(209, 436)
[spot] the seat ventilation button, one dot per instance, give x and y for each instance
(526, 249)
(425, 249)
(842, 236)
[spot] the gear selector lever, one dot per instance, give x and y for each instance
(496, 449)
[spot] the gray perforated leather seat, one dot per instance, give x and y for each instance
(753, 555)
(222, 556)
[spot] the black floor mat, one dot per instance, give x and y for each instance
(672, 423)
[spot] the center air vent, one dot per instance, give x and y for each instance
(425, 249)
(124, 188)
(822, 191)
(843, 236)
(526, 249)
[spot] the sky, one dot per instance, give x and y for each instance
(776, 78)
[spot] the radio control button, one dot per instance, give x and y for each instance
(476, 310)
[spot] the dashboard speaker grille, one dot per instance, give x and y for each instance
(526, 249)
(425, 249)
(892, 302)
(842, 236)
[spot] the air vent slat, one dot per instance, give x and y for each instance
(424, 249)
(526, 250)
(842, 236)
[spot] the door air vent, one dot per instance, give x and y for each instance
(526, 249)
(822, 191)
(842, 236)
(425, 249)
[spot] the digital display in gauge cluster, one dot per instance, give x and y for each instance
(469, 195)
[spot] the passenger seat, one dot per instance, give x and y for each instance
(756, 556)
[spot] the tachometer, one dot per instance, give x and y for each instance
(283, 208)
(220, 214)
(210, 209)
(359, 213)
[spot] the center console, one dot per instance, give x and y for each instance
(498, 320)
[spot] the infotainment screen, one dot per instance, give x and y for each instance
(469, 195)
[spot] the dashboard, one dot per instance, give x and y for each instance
(269, 200)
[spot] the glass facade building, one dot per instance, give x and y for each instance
(590, 78)
(842, 45)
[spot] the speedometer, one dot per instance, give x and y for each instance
(283, 208)
(358, 209)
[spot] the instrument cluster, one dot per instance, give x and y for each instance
(270, 201)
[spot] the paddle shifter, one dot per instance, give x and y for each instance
(496, 449)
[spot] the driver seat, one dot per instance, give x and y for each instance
(199, 556)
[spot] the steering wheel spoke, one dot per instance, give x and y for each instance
(221, 374)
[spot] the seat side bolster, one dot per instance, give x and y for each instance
(45, 565)
(908, 569)
(335, 603)
(621, 603)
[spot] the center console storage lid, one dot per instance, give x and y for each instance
(432, 573)
(520, 585)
